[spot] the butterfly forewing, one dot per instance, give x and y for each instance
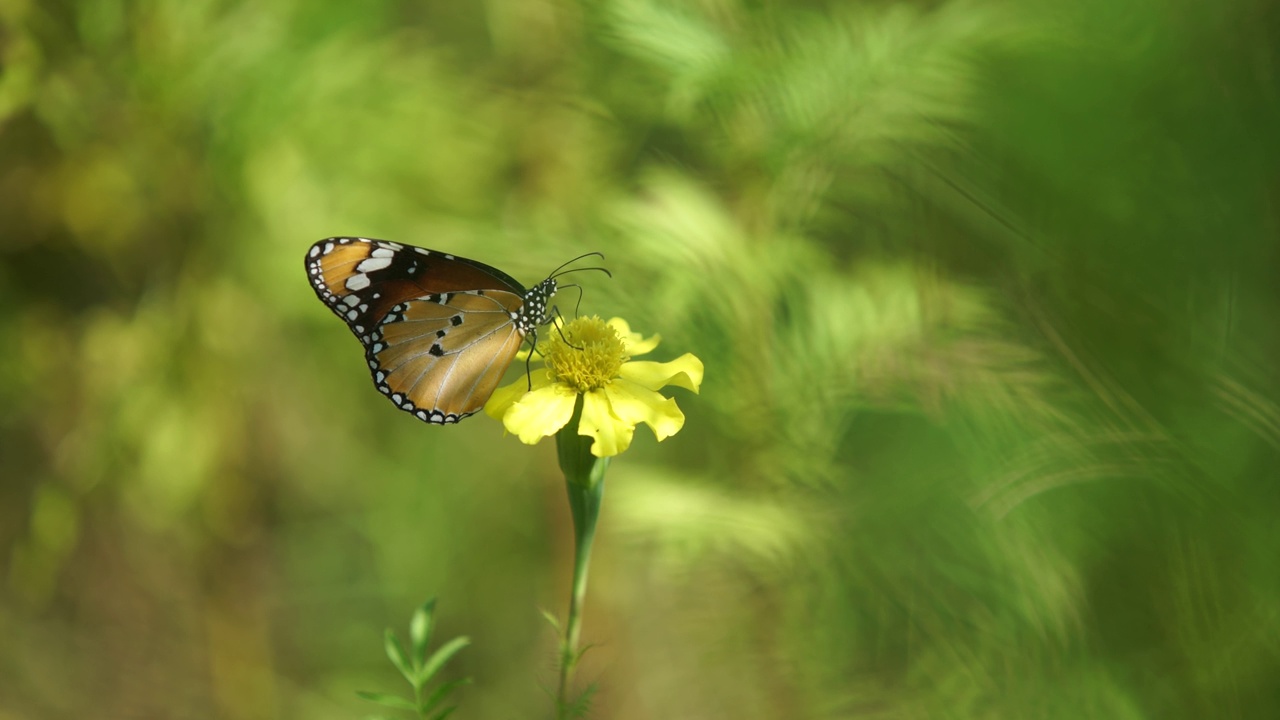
(361, 279)
(439, 331)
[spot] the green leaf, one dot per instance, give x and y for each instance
(581, 704)
(392, 701)
(420, 631)
(546, 614)
(441, 656)
(444, 713)
(439, 694)
(581, 651)
(396, 654)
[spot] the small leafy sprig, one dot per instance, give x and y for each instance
(568, 707)
(418, 669)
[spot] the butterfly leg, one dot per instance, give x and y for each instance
(532, 339)
(577, 305)
(556, 311)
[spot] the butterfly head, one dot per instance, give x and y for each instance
(536, 309)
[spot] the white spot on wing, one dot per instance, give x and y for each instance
(358, 282)
(351, 300)
(382, 252)
(373, 263)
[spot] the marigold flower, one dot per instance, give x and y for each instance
(617, 393)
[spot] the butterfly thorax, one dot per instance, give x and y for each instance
(536, 309)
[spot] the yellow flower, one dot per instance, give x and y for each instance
(616, 393)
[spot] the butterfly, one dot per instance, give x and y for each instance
(439, 331)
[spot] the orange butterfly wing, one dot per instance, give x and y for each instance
(439, 331)
(361, 279)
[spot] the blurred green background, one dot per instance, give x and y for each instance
(986, 291)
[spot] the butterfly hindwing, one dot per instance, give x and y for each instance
(440, 357)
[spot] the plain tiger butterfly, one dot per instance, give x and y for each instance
(439, 331)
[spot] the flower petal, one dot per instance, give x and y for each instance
(634, 403)
(634, 342)
(612, 435)
(540, 413)
(504, 397)
(685, 371)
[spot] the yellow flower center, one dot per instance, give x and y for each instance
(590, 359)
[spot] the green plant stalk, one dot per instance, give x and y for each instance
(584, 480)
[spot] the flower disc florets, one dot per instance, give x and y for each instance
(591, 368)
(588, 356)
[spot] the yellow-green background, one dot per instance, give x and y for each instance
(987, 293)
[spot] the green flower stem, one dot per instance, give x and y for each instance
(584, 479)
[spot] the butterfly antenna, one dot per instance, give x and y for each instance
(574, 270)
(557, 272)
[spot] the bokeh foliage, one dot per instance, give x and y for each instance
(985, 290)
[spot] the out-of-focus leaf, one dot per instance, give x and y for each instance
(393, 701)
(438, 695)
(420, 631)
(442, 656)
(444, 713)
(395, 653)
